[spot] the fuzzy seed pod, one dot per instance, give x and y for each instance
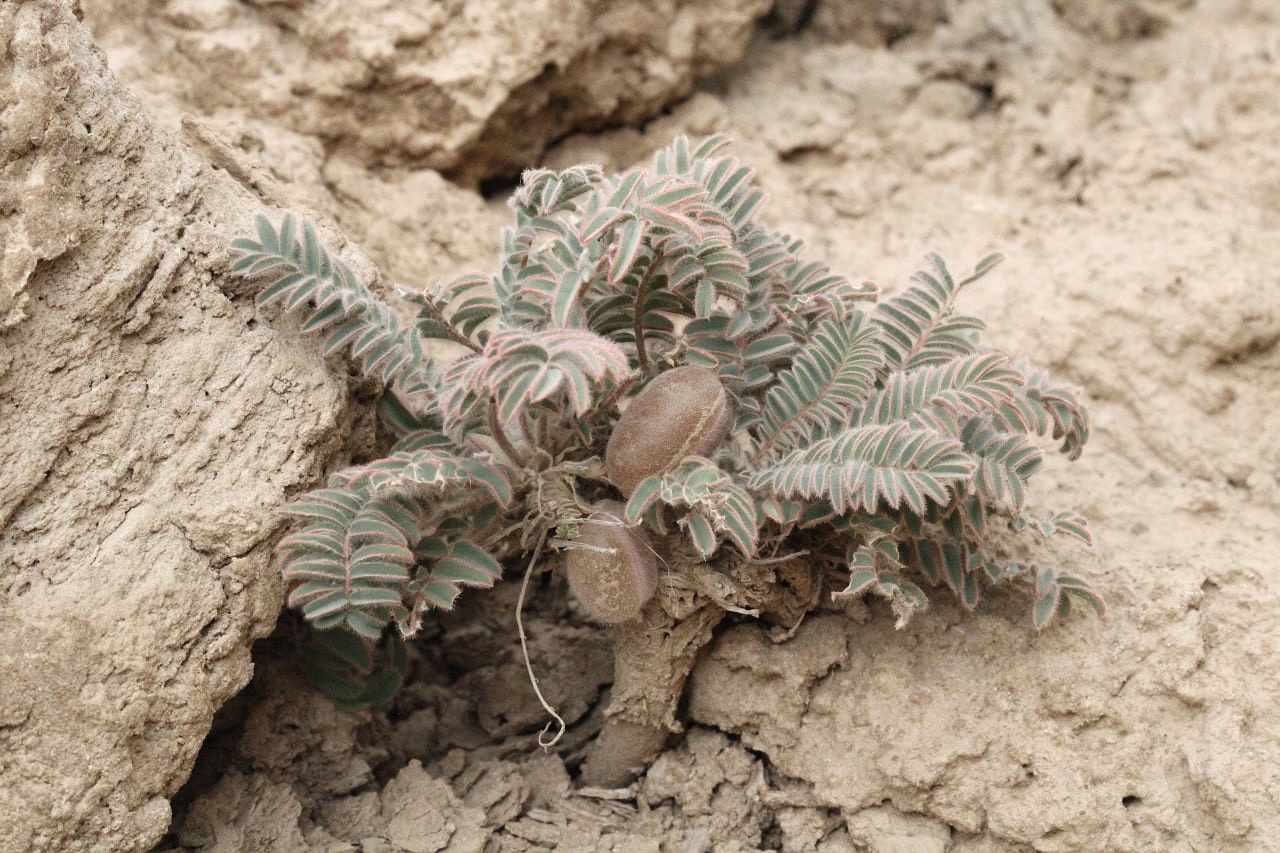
(683, 412)
(614, 583)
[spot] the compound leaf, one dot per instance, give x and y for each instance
(308, 281)
(918, 323)
(521, 367)
(863, 467)
(965, 385)
(827, 380)
(1005, 461)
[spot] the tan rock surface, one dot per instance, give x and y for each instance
(476, 89)
(151, 425)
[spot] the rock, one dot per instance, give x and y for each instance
(245, 813)
(423, 815)
(876, 22)
(475, 89)
(152, 425)
(1135, 195)
(1120, 20)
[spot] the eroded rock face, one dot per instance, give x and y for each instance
(475, 89)
(151, 426)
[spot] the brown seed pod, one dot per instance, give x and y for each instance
(683, 412)
(617, 573)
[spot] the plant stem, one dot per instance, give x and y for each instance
(652, 658)
(609, 401)
(637, 325)
(500, 435)
(454, 334)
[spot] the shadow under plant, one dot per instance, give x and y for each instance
(662, 398)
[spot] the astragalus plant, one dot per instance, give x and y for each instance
(662, 398)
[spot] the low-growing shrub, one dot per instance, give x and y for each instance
(770, 425)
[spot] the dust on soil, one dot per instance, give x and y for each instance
(1122, 155)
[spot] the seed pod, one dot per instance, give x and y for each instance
(617, 573)
(683, 412)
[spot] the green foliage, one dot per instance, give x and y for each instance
(824, 383)
(861, 468)
(877, 435)
(304, 280)
(713, 505)
(520, 368)
(354, 672)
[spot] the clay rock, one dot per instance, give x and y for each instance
(151, 426)
(877, 23)
(1120, 20)
(474, 89)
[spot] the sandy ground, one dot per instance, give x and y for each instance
(1124, 157)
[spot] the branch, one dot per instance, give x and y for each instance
(500, 435)
(638, 324)
(447, 327)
